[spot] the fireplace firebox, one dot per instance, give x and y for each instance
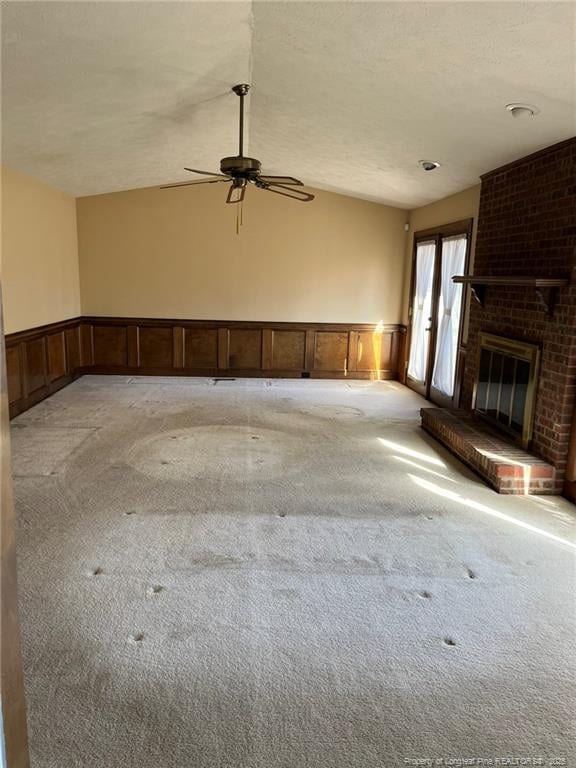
(505, 390)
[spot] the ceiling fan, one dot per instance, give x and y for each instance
(239, 171)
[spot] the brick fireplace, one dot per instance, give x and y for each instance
(526, 243)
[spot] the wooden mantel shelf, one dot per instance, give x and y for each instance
(534, 282)
(545, 287)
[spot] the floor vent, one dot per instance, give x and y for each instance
(223, 378)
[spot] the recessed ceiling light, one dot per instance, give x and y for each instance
(522, 110)
(429, 165)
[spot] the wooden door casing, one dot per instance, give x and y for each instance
(437, 234)
(14, 730)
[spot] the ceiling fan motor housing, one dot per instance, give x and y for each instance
(241, 167)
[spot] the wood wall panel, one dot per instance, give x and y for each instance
(245, 349)
(310, 350)
(156, 347)
(86, 345)
(42, 360)
(14, 370)
(331, 351)
(56, 349)
(35, 364)
(72, 336)
(267, 344)
(288, 350)
(374, 351)
(200, 348)
(352, 356)
(223, 348)
(178, 347)
(110, 345)
(367, 351)
(133, 346)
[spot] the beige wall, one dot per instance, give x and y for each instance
(463, 205)
(40, 281)
(175, 253)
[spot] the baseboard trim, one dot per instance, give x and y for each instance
(43, 360)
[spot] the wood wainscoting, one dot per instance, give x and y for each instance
(42, 360)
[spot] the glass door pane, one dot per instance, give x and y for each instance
(453, 262)
(421, 312)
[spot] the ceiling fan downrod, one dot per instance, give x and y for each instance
(241, 91)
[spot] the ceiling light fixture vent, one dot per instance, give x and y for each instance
(522, 110)
(429, 165)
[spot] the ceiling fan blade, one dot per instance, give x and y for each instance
(295, 194)
(204, 173)
(194, 183)
(287, 180)
(236, 194)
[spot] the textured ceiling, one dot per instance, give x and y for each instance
(103, 96)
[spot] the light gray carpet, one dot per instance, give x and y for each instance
(266, 574)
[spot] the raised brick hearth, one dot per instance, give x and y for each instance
(505, 467)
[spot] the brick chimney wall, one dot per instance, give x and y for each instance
(527, 227)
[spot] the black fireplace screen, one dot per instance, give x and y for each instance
(505, 385)
(502, 389)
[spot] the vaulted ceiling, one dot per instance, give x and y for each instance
(349, 96)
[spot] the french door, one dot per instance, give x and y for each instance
(436, 311)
